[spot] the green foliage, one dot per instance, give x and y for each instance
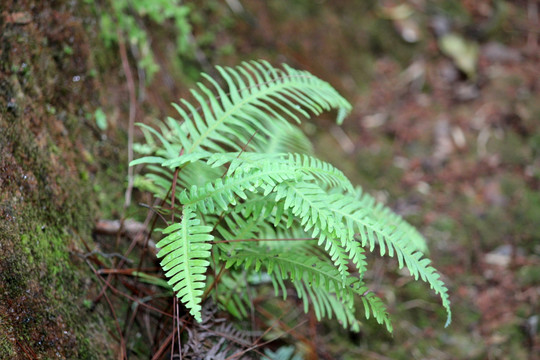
(126, 18)
(283, 353)
(183, 250)
(249, 192)
(101, 119)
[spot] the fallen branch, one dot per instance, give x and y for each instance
(132, 229)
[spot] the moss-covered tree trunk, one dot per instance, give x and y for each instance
(46, 169)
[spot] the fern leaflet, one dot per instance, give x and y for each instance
(184, 251)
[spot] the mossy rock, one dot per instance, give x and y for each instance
(46, 207)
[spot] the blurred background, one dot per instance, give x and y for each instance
(445, 130)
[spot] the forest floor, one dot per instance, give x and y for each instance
(453, 148)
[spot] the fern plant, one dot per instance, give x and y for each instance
(241, 187)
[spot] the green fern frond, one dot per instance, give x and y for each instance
(245, 172)
(290, 140)
(325, 214)
(222, 193)
(234, 226)
(308, 203)
(314, 280)
(233, 295)
(242, 161)
(255, 90)
(321, 213)
(379, 212)
(326, 304)
(388, 236)
(184, 251)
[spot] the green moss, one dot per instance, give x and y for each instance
(529, 275)
(45, 203)
(12, 276)
(45, 288)
(511, 150)
(40, 287)
(6, 348)
(444, 223)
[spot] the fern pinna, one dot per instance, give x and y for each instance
(235, 170)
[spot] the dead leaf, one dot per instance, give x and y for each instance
(464, 53)
(20, 18)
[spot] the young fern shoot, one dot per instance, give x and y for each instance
(242, 171)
